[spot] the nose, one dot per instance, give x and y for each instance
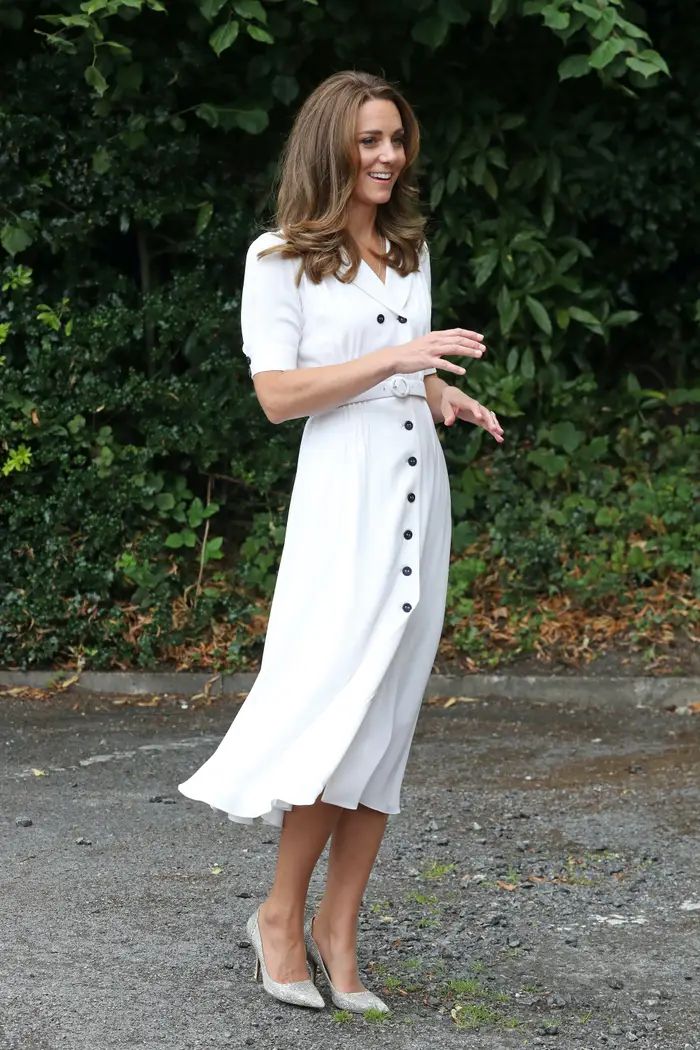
(388, 152)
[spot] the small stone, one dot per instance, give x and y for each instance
(616, 983)
(83, 842)
(432, 825)
(514, 942)
(156, 798)
(442, 842)
(244, 894)
(242, 944)
(23, 822)
(615, 1030)
(169, 801)
(631, 1037)
(476, 826)
(571, 941)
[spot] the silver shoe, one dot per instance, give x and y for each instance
(300, 993)
(355, 1002)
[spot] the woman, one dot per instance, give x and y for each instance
(335, 315)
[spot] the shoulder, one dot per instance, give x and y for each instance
(266, 239)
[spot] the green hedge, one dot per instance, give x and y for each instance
(142, 492)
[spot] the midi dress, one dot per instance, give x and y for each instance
(359, 600)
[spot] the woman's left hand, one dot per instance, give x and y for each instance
(455, 404)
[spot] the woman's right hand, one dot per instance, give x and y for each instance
(427, 350)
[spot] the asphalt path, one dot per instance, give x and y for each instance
(541, 886)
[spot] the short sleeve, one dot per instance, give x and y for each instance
(425, 270)
(271, 314)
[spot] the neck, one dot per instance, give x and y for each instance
(361, 222)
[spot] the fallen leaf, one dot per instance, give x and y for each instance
(39, 772)
(502, 885)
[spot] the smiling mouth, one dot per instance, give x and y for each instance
(381, 176)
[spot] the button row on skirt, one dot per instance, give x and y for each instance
(408, 534)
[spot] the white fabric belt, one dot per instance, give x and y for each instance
(399, 386)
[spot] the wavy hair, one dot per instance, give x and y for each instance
(318, 169)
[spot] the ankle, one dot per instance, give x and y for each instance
(281, 914)
(341, 931)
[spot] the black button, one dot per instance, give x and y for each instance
(406, 607)
(407, 570)
(380, 318)
(407, 534)
(408, 424)
(402, 320)
(411, 496)
(412, 461)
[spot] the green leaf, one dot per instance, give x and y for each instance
(550, 462)
(603, 55)
(165, 500)
(438, 188)
(484, 265)
(211, 8)
(252, 120)
(566, 436)
(431, 31)
(539, 314)
(175, 540)
(527, 364)
(512, 359)
(285, 88)
(623, 317)
(499, 8)
(208, 113)
(584, 316)
(223, 36)
(508, 310)
(204, 215)
(587, 9)
(101, 160)
(574, 66)
(94, 78)
(250, 9)
(259, 34)
(554, 18)
(645, 66)
(15, 238)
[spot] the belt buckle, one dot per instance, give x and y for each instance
(399, 386)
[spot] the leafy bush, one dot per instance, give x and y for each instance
(142, 492)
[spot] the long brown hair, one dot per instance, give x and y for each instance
(318, 169)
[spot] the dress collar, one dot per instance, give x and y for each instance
(393, 293)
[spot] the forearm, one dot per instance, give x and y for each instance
(434, 387)
(305, 391)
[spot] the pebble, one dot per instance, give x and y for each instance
(83, 841)
(23, 822)
(616, 983)
(571, 941)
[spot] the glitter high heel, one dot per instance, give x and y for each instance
(355, 1002)
(299, 993)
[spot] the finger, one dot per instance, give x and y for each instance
(447, 366)
(470, 350)
(464, 332)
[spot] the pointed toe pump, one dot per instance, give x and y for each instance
(355, 1002)
(299, 993)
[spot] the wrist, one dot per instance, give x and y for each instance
(388, 362)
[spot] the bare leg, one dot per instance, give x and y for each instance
(303, 836)
(354, 846)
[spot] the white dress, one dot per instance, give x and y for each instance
(359, 601)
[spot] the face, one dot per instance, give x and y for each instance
(380, 141)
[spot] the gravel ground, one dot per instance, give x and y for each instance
(539, 888)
